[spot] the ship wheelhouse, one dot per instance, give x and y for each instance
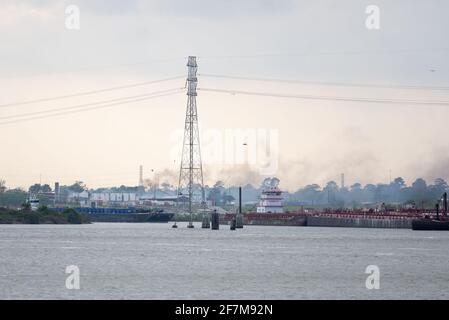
(270, 201)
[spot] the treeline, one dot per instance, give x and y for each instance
(13, 198)
(418, 194)
(43, 215)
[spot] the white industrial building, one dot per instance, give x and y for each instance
(122, 197)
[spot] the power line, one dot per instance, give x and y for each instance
(89, 109)
(329, 98)
(89, 92)
(326, 53)
(342, 84)
(85, 104)
(102, 67)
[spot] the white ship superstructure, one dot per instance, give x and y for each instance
(34, 202)
(271, 199)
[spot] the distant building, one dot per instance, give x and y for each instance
(108, 198)
(78, 197)
(159, 198)
(114, 198)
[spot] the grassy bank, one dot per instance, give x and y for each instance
(41, 216)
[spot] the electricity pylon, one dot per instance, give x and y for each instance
(191, 172)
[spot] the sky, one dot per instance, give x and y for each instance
(325, 46)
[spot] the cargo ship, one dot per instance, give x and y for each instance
(112, 214)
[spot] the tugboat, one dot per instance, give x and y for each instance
(440, 223)
(271, 197)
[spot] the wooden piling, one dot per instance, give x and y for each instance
(206, 221)
(239, 215)
(215, 220)
(233, 223)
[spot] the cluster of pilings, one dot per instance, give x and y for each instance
(213, 220)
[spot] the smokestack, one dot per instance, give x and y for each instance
(57, 191)
(140, 176)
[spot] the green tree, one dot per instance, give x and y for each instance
(35, 188)
(441, 185)
(31, 218)
(45, 188)
(216, 193)
(13, 198)
(26, 206)
(73, 217)
(399, 182)
(330, 192)
(310, 193)
(419, 192)
(78, 187)
(228, 199)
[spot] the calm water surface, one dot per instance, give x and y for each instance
(153, 261)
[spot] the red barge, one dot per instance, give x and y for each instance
(270, 212)
(333, 218)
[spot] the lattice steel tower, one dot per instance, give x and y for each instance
(191, 172)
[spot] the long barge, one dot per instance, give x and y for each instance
(270, 211)
(329, 218)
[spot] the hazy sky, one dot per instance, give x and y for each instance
(127, 42)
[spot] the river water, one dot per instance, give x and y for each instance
(154, 261)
